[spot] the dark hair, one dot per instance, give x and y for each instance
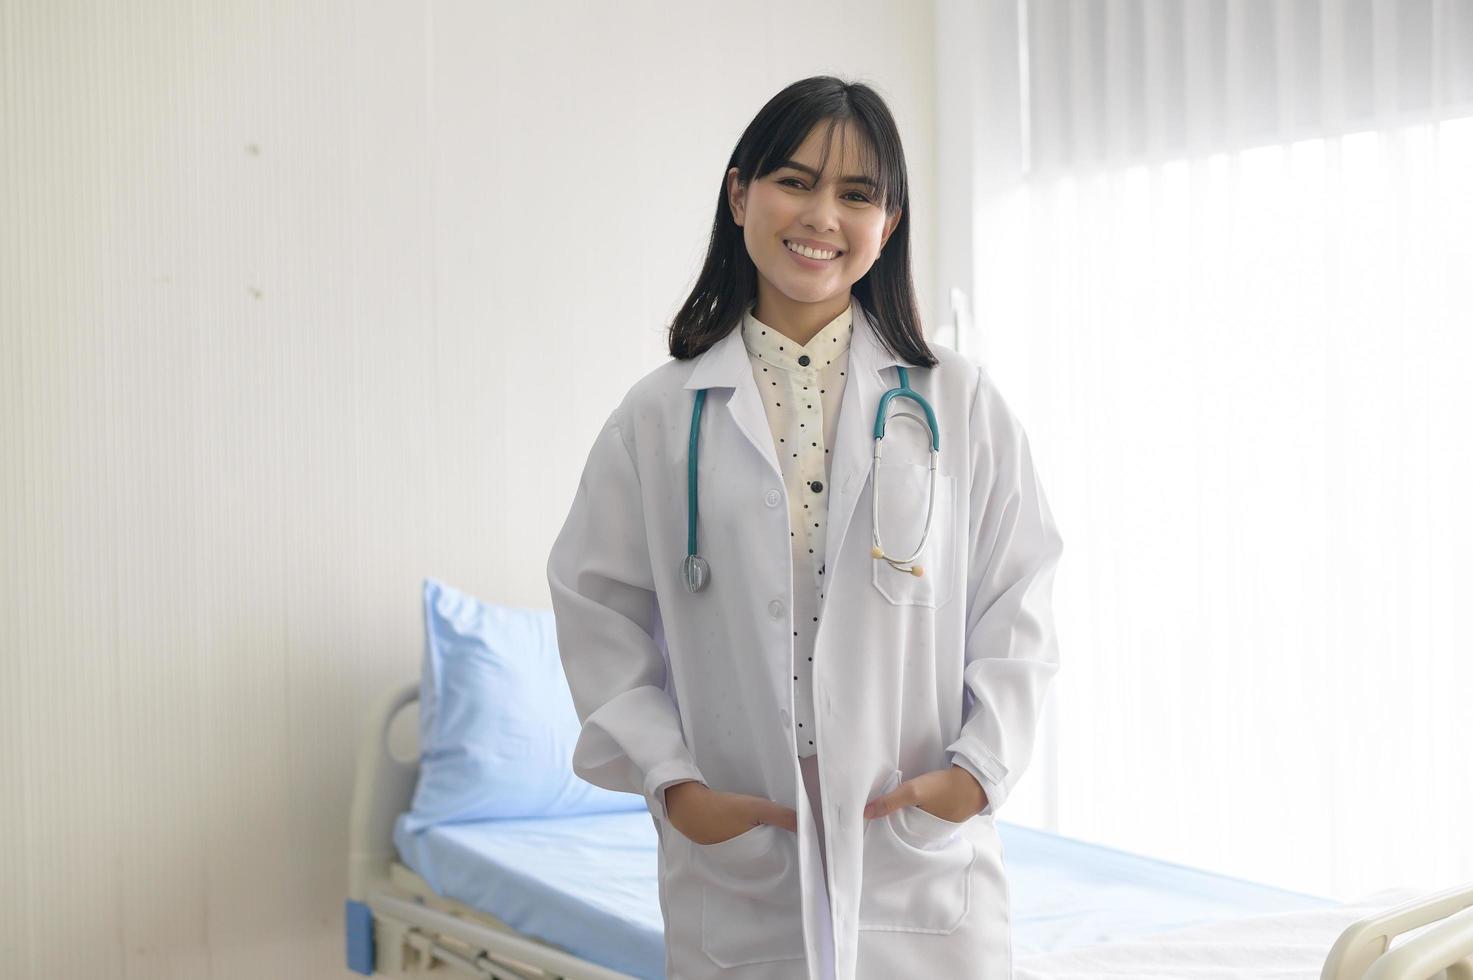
(728, 280)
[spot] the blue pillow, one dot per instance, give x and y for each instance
(496, 719)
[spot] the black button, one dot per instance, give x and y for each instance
(816, 486)
(803, 360)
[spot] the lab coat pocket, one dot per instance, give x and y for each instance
(917, 871)
(923, 827)
(904, 489)
(751, 902)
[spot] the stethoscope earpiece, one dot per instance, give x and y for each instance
(929, 424)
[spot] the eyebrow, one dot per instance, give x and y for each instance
(851, 179)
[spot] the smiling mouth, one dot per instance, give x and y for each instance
(816, 255)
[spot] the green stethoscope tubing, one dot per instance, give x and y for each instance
(697, 572)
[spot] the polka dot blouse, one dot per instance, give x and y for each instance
(802, 389)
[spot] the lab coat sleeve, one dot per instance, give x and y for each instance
(603, 599)
(1011, 647)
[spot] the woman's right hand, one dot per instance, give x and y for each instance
(708, 816)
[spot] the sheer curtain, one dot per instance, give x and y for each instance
(1227, 280)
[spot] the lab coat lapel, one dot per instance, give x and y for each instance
(726, 364)
(853, 452)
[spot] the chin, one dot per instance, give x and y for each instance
(809, 294)
(810, 290)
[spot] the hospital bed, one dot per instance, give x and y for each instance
(576, 897)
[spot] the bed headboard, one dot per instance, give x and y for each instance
(383, 788)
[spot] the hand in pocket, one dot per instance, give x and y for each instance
(952, 794)
(708, 816)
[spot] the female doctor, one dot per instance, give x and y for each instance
(818, 654)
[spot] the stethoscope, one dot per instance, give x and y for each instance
(695, 569)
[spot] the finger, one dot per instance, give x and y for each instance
(770, 811)
(907, 793)
(881, 805)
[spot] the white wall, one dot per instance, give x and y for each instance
(300, 303)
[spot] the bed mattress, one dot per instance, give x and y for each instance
(588, 884)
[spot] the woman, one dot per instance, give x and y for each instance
(900, 686)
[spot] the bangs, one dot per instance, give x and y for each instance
(886, 170)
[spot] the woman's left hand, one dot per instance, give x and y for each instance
(951, 794)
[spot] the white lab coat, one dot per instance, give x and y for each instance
(910, 673)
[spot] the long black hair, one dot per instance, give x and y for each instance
(728, 281)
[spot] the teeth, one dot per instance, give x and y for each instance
(809, 252)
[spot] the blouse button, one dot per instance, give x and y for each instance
(816, 486)
(803, 360)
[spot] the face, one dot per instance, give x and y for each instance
(796, 204)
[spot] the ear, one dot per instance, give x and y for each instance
(890, 224)
(736, 196)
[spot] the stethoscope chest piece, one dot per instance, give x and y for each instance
(696, 572)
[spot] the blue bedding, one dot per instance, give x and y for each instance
(588, 884)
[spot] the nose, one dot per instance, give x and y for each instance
(821, 214)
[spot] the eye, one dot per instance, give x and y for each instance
(798, 183)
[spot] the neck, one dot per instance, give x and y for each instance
(799, 322)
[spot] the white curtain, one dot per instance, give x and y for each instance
(1228, 283)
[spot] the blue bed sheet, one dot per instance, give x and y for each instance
(588, 884)
(1067, 892)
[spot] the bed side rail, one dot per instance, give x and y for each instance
(1361, 951)
(383, 788)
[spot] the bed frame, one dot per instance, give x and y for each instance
(397, 926)
(1443, 952)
